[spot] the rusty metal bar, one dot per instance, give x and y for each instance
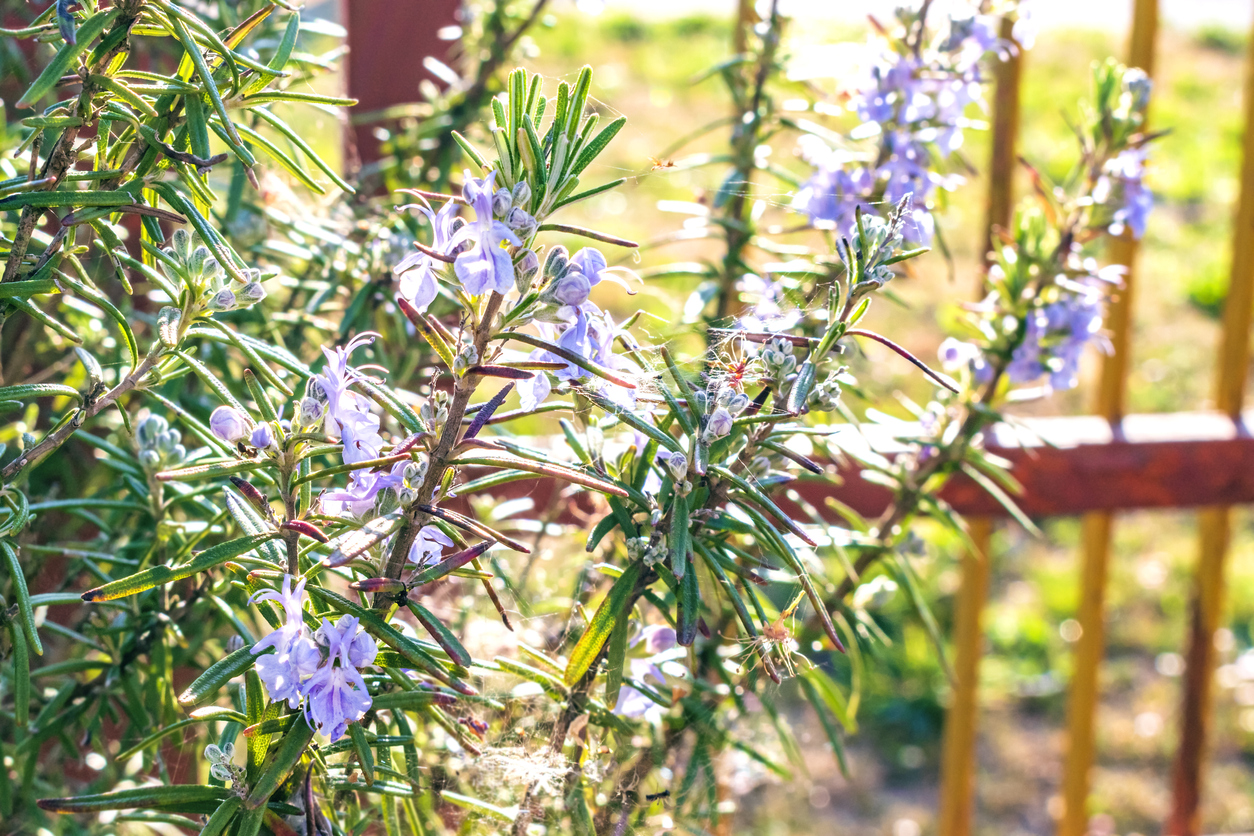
(1085, 692)
(1208, 594)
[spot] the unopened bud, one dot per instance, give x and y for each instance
(525, 270)
(522, 194)
(556, 262)
(501, 202)
(719, 424)
(229, 424)
(262, 437)
(251, 293)
(572, 289)
(522, 223)
(223, 300)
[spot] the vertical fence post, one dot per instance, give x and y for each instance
(1208, 593)
(387, 42)
(958, 764)
(958, 756)
(1090, 647)
(1001, 164)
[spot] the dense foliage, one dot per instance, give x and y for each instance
(264, 460)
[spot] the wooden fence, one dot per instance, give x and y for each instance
(1091, 465)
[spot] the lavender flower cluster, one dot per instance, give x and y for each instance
(322, 670)
(481, 264)
(914, 100)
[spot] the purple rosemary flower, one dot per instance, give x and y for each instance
(429, 545)
(591, 262)
(1056, 335)
(262, 437)
(531, 393)
(659, 643)
(836, 188)
(955, 354)
(336, 694)
(358, 498)
(1123, 176)
(486, 266)
(229, 424)
(295, 655)
(348, 415)
(418, 282)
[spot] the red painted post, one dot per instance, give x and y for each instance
(387, 42)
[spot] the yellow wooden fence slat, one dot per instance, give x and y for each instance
(958, 761)
(1207, 603)
(1007, 76)
(1085, 686)
(1095, 549)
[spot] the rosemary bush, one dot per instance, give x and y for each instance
(263, 463)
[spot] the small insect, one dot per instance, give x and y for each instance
(479, 727)
(658, 795)
(776, 640)
(660, 164)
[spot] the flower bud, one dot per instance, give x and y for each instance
(262, 437)
(677, 464)
(149, 430)
(415, 472)
(556, 262)
(572, 289)
(522, 194)
(223, 300)
(700, 400)
(149, 458)
(522, 223)
(310, 412)
(229, 424)
(167, 442)
(525, 270)
(737, 403)
(825, 396)
(501, 202)
(181, 244)
(251, 293)
(197, 262)
(719, 424)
